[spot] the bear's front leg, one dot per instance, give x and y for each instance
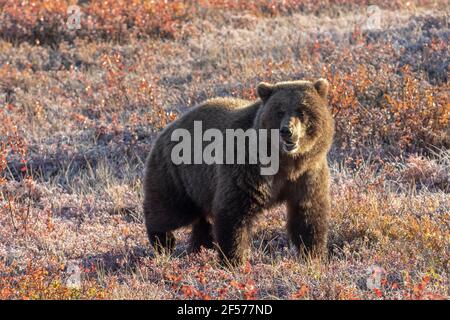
(308, 212)
(234, 213)
(232, 231)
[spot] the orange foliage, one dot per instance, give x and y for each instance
(37, 282)
(45, 21)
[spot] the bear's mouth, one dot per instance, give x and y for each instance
(289, 146)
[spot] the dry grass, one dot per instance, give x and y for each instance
(79, 111)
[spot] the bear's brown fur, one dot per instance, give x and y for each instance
(221, 201)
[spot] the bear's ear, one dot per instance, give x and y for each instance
(264, 90)
(321, 86)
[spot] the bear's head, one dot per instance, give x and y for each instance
(299, 109)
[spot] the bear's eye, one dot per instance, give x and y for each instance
(302, 115)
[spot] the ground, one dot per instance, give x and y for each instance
(79, 110)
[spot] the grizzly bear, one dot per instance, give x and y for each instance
(220, 201)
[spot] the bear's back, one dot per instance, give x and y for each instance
(198, 181)
(226, 103)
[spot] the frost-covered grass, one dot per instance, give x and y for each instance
(78, 116)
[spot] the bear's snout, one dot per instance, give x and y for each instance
(286, 132)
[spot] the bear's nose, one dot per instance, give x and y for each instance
(285, 132)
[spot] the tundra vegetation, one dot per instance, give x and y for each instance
(80, 107)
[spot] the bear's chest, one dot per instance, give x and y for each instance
(278, 187)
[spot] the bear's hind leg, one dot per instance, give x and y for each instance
(161, 218)
(201, 235)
